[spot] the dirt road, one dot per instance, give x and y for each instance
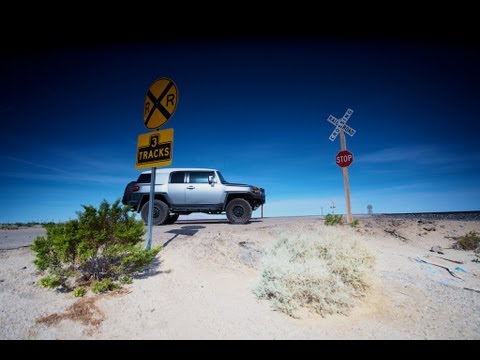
(201, 288)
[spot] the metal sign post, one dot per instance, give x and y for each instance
(155, 148)
(340, 128)
(148, 245)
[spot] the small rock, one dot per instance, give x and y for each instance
(420, 222)
(23, 268)
(437, 249)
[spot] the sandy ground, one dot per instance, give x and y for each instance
(201, 288)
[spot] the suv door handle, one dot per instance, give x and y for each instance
(190, 187)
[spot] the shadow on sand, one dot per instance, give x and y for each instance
(188, 230)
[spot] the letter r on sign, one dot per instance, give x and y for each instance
(170, 99)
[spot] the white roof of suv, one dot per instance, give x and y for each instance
(169, 170)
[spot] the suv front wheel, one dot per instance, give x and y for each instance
(239, 211)
(160, 212)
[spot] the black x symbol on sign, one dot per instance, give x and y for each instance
(157, 105)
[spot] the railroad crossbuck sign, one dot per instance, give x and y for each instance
(160, 103)
(155, 149)
(344, 158)
(341, 125)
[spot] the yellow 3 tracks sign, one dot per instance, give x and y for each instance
(154, 149)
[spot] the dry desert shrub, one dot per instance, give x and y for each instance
(470, 241)
(323, 271)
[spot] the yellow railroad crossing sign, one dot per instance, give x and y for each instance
(154, 149)
(160, 103)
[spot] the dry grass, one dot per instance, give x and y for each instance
(323, 271)
(470, 241)
(84, 311)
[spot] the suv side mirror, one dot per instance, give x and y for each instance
(211, 179)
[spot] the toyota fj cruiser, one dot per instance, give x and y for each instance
(184, 191)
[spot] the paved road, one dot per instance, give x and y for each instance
(11, 239)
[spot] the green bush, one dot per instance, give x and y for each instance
(104, 286)
(79, 291)
(470, 241)
(126, 280)
(355, 223)
(323, 272)
(103, 243)
(50, 282)
(332, 219)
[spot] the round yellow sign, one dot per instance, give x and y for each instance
(160, 103)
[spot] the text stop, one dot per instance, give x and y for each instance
(344, 158)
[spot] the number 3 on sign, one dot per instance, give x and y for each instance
(154, 141)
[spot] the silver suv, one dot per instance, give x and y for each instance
(184, 191)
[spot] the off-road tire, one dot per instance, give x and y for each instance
(160, 212)
(239, 211)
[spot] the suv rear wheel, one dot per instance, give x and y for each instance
(239, 211)
(160, 212)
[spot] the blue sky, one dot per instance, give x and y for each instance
(257, 111)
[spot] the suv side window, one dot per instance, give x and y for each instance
(177, 177)
(144, 178)
(200, 177)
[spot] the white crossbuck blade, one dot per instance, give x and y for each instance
(341, 125)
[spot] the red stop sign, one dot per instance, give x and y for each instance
(344, 158)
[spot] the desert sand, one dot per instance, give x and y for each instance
(201, 287)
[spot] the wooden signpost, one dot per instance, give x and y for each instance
(344, 158)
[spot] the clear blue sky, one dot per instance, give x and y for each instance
(257, 111)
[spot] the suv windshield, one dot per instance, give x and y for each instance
(222, 179)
